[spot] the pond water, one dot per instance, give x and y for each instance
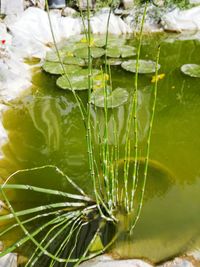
(44, 127)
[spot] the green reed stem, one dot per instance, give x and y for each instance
(148, 146)
(135, 115)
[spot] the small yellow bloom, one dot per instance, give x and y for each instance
(85, 41)
(70, 54)
(158, 77)
(102, 77)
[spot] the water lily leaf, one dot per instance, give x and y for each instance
(113, 61)
(145, 66)
(74, 61)
(77, 80)
(115, 98)
(56, 68)
(113, 40)
(127, 51)
(95, 52)
(113, 51)
(192, 70)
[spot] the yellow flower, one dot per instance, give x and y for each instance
(70, 54)
(158, 77)
(85, 41)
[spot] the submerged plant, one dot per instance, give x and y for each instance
(68, 226)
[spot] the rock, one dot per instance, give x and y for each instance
(152, 19)
(108, 261)
(116, 25)
(128, 4)
(10, 260)
(182, 20)
(37, 3)
(177, 262)
(195, 254)
(83, 4)
(194, 2)
(12, 7)
(69, 12)
(32, 31)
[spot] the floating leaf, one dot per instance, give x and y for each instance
(192, 70)
(74, 61)
(56, 68)
(127, 51)
(77, 80)
(115, 98)
(95, 52)
(145, 66)
(113, 61)
(113, 51)
(113, 40)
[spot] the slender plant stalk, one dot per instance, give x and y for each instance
(141, 197)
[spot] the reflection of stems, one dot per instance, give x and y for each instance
(141, 197)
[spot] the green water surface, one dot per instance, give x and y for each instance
(44, 127)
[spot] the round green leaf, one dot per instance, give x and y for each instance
(56, 68)
(75, 81)
(145, 66)
(74, 61)
(113, 51)
(115, 98)
(95, 52)
(113, 40)
(127, 51)
(192, 70)
(113, 61)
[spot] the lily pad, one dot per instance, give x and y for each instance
(113, 51)
(192, 70)
(96, 52)
(74, 61)
(145, 66)
(113, 61)
(127, 51)
(115, 98)
(56, 68)
(77, 80)
(113, 40)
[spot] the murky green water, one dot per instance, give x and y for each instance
(45, 127)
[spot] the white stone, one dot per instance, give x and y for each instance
(177, 262)
(128, 4)
(182, 20)
(9, 7)
(194, 2)
(10, 260)
(116, 24)
(195, 254)
(69, 12)
(107, 261)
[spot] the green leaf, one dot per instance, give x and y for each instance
(145, 66)
(113, 51)
(115, 98)
(56, 68)
(192, 70)
(127, 51)
(75, 81)
(113, 40)
(95, 52)
(113, 61)
(74, 61)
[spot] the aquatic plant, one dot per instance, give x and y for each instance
(192, 70)
(67, 226)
